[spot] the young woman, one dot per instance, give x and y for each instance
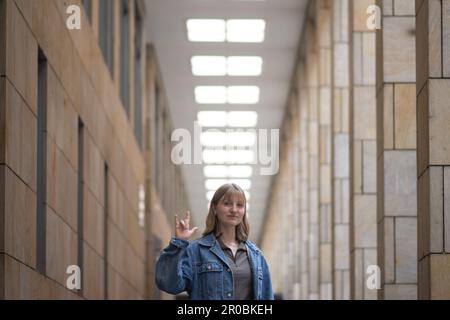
(223, 264)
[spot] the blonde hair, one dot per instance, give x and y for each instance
(212, 223)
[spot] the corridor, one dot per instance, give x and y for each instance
(332, 115)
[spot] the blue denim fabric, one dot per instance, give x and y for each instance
(200, 268)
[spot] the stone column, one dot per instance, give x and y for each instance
(304, 181)
(341, 187)
(323, 18)
(433, 147)
(313, 161)
(363, 238)
(296, 194)
(396, 151)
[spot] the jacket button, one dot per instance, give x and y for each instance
(209, 267)
(229, 295)
(228, 270)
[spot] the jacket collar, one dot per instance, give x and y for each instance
(210, 240)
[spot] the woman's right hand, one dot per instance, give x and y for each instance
(182, 230)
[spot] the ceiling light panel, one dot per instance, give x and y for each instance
(212, 118)
(214, 184)
(214, 156)
(244, 66)
(240, 156)
(239, 171)
(243, 30)
(215, 171)
(243, 95)
(228, 171)
(213, 139)
(233, 30)
(223, 95)
(243, 119)
(245, 184)
(220, 119)
(241, 139)
(211, 95)
(209, 65)
(211, 156)
(206, 30)
(222, 66)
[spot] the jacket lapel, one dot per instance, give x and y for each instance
(210, 241)
(219, 253)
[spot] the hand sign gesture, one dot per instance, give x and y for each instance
(182, 230)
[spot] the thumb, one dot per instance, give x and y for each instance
(194, 229)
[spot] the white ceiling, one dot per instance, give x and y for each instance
(166, 29)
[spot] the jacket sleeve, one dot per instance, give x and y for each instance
(174, 269)
(267, 293)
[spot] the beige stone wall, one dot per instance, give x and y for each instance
(324, 25)
(117, 249)
(363, 235)
(165, 187)
(396, 151)
(433, 87)
(341, 149)
(77, 86)
(304, 179)
(389, 169)
(312, 75)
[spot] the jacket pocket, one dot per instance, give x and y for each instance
(210, 276)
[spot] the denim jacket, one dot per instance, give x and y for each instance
(201, 269)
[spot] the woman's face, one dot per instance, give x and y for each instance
(230, 210)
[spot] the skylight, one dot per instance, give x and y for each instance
(209, 65)
(231, 66)
(212, 118)
(243, 119)
(243, 95)
(244, 66)
(228, 171)
(214, 184)
(211, 94)
(206, 30)
(220, 119)
(219, 30)
(211, 156)
(231, 95)
(245, 30)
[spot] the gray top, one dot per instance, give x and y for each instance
(240, 269)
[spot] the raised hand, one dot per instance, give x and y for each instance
(182, 230)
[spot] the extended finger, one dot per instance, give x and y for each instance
(177, 221)
(188, 216)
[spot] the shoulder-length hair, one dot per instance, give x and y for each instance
(212, 223)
